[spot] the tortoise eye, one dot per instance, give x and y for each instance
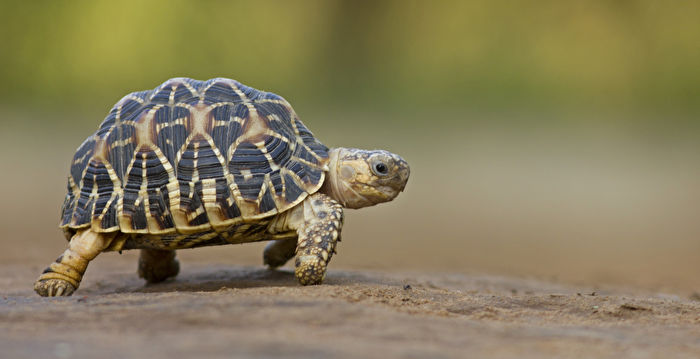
(380, 169)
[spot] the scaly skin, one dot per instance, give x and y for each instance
(317, 222)
(323, 220)
(63, 276)
(157, 265)
(279, 252)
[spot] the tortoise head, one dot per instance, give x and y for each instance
(361, 178)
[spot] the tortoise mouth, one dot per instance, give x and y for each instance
(403, 172)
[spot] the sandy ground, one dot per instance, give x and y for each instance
(234, 311)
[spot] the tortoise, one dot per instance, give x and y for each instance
(201, 163)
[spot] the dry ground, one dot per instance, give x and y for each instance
(224, 311)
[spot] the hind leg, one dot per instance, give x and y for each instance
(278, 252)
(63, 276)
(157, 265)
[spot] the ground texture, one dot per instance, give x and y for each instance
(223, 311)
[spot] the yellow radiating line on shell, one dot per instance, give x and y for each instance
(189, 87)
(171, 96)
(143, 191)
(238, 92)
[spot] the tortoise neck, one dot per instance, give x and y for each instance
(332, 186)
(344, 177)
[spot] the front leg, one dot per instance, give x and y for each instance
(318, 234)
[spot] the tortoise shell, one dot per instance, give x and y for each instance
(192, 156)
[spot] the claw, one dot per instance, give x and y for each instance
(53, 288)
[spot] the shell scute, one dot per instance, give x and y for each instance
(221, 91)
(121, 146)
(226, 128)
(145, 201)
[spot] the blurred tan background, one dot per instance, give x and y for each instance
(548, 139)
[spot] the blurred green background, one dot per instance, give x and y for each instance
(632, 55)
(546, 138)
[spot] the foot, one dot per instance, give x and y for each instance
(53, 287)
(157, 265)
(310, 270)
(63, 277)
(278, 252)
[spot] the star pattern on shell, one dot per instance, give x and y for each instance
(192, 157)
